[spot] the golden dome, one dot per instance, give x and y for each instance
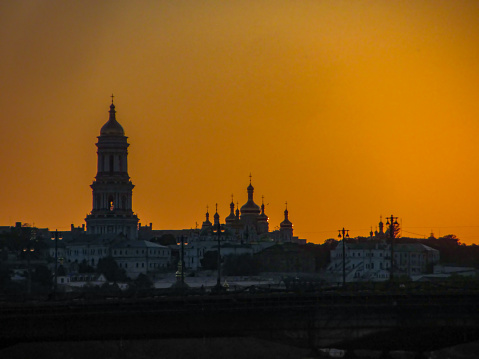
(112, 127)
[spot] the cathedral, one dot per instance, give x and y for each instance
(250, 223)
(112, 214)
(113, 229)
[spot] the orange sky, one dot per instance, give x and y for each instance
(348, 110)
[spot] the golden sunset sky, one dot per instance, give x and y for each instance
(347, 110)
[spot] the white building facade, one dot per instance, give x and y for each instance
(141, 257)
(371, 261)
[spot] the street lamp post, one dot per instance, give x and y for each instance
(56, 236)
(28, 250)
(392, 223)
(344, 233)
(181, 265)
(218, 233)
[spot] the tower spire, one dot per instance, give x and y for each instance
(112, 204)
(207, 224)
(216, 217)
(286, 227)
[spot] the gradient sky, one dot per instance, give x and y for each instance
(347, 110)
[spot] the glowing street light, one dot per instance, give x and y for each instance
(182, 240)
(218, 230)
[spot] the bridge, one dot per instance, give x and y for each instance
(375, 321)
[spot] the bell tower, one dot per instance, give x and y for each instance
(286, 227)
(112, 189)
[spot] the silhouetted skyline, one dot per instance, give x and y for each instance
(346, 110)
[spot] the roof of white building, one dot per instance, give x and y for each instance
(412, 247)
(398, 247)
(138, 244)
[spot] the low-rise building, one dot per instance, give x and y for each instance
(371, 261)
(141, 257)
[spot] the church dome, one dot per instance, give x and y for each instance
(250, 207)
(112, 127)
(263, 217)
(231, 218)
(286, 223)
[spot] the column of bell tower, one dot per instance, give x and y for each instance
(112, 189)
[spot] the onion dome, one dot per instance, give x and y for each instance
(216, 217)
(262, 217)
(231, 218)
(112, 127)
(207, 223)
(381, 225)
(250, 207)
(237, 211)
(286, 223)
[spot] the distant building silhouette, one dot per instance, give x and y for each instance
(369, 258)
(112, 226)
(113, 229)
(112, 189)
(250, 223)
(244, 231)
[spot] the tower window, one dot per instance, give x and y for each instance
(111, 163)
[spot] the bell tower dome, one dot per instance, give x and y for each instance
(112, 189)
(286, 227)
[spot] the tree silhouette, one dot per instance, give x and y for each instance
(110, 269)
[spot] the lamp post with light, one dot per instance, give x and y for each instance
(28, 250)
(56, 236)
(218, 231)
(392, 223)
(344, 233)
(180, 274)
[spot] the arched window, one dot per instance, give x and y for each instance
(111, 206)
(123, 202)
(111, 163)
